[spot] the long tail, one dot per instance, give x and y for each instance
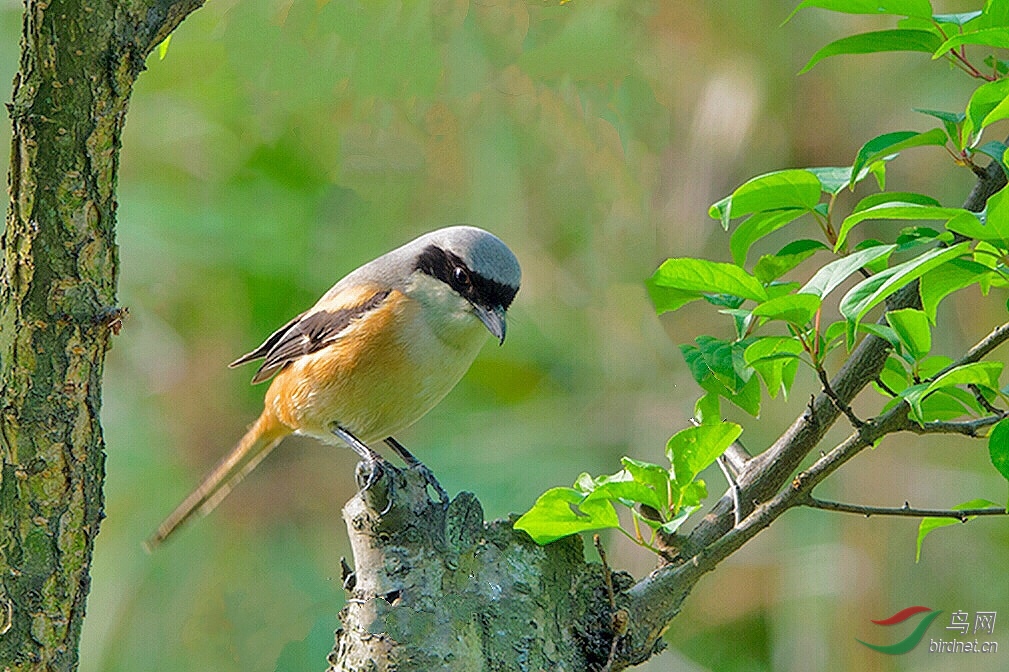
(257, 443)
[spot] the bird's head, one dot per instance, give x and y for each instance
(475, 265)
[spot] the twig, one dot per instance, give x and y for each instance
(736, 457)
(984, 403)
(981, 349)
(619, 617)
(607, 577)
(844, 408)
(733, 488)
(884, 386)
(971, 428)
(907, 510)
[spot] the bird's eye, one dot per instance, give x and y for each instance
(460, 276)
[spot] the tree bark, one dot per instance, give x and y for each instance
(438, 589)
(58, 309)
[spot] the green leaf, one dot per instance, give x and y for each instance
(898, 210)
(882, 331)
(950, 122)
(747, 397)
(650, 475)
(894, 375)
(756, 227)
(995, 150)
(797, 309)
(995, 13)
(995, 227)
(670, 526)
(987, 105)
(957, 19)
(708, 409)
(995, 230)
(163, 47)
(561, 512)
(693, 449)
(911, 327)
(725, 360)
(917, 8)
(911, 237)
(834, 179)
(939, 283)
(998, 447)
(630, 493)
(775, 359)
(781, 190)
(693, 494)
(712, 367)
(833, 274)
(772, 348)
(892, 143)
(770, 267)
(869, 293)
(897, 39)
(982, 374)
(931, 366)
(913, 395)
(947, 404)
(991, 37)
(885, 197)
(929, 524)
(679, 281)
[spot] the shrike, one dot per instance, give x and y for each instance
(373, 355)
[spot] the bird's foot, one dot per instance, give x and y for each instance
(430, 480)
(370, 471)
(421, 468)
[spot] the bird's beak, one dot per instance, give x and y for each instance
(493, 319)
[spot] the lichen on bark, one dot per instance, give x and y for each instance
(58, 308)
(437, 588)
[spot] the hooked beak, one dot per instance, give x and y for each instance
(493, 319)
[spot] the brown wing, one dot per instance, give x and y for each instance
(309, 332)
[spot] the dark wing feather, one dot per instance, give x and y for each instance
(267, 345)
(305, 334)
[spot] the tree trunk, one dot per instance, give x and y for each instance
(438, 589)
(58, 310)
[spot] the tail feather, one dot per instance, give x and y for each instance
(257, 443)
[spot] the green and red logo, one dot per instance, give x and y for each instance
(911, 640)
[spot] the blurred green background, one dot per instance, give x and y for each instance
(281, 143)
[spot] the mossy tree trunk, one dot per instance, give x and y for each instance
(79, 59)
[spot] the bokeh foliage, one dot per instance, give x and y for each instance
(281, 143)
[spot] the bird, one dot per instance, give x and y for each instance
(378, 351)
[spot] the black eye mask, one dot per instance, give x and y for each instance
(453, 271)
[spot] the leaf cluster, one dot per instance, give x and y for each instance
(780, 319)
(659, 498)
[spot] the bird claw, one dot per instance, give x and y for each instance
(375, 469)
(425, 473)
(429, 479)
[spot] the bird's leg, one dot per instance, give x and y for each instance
(374, 463)
(413, 463)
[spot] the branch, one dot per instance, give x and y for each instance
(839, 404)
(656, 599)
(971, 428)
(981, 349)
(768, 472)
(906, 511)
